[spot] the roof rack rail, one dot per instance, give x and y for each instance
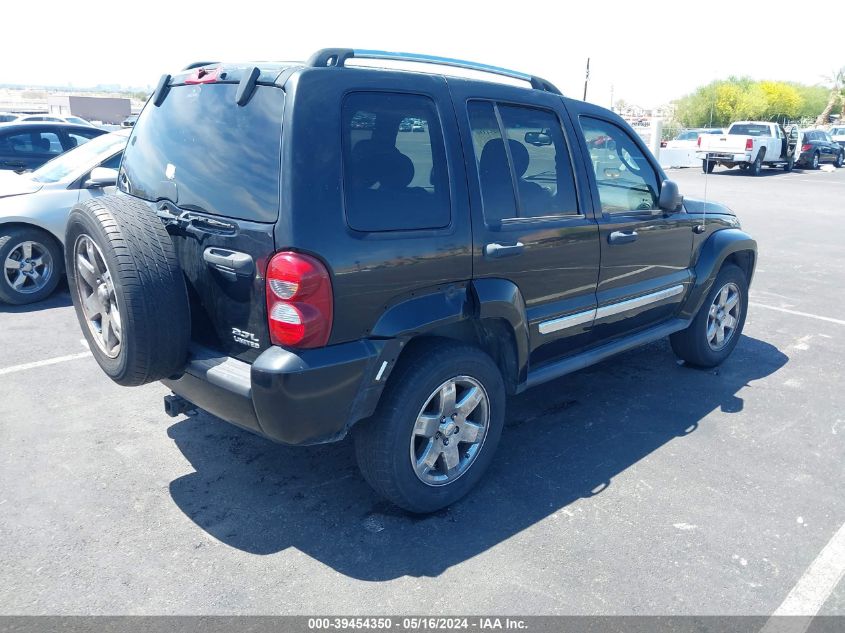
(338, 56)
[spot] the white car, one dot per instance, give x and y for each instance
(688, 139)
(837, 133)
(55, 118)
(34, 208)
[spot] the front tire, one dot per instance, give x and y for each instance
(31, 261)
(436, 428)
(716, 328)
(840, 160)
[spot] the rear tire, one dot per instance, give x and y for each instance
(127, 289)
(707, 166)
(31, 261)
(815, 163)
(414, 426)
(700, 344)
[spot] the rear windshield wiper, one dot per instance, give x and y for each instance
(188, 222)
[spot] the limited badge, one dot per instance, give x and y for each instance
(244, 338)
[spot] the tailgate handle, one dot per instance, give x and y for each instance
(230, 264)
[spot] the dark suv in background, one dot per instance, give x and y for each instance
(311, 249)
(817, 147)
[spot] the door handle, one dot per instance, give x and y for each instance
(230, 264)
(503, 250)
(622, 237)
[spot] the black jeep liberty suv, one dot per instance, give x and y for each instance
(309, 249)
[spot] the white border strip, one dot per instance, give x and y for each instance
(797, 313)
(812, 590)
(42, 363)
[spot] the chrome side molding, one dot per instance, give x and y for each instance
(579, 318)
(561, 323)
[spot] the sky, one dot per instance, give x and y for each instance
(646, 53)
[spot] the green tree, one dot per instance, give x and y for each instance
(742, 98)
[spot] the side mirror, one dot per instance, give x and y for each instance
(101, 177)
(538, 139)
(670, 198)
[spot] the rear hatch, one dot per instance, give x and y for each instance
(210, 168)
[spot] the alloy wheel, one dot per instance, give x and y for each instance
(28, 267)
(723, 317)
(97, 297)
(450, 430)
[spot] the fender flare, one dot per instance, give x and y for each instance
(712, 254)
(421, 313)
(501, 299)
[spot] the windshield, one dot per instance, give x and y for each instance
(688, 136)
(837, 131)
(204, 152)
(75, 162)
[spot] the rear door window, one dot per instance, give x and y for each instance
(535, 162)
(394, 163)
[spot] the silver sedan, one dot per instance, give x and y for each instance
(34, 209)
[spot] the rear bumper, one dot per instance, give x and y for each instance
(302, 397)
(728, 157)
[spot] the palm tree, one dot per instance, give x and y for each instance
(837, 78)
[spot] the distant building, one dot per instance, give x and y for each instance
(104, 109)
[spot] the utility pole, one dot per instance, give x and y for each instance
(586, 79)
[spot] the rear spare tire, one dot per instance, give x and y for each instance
(128, 289)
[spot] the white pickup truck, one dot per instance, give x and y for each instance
(750, 145)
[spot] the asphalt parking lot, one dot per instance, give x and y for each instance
(638, 486)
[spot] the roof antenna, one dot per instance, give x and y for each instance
(707, 169)
(586, 79)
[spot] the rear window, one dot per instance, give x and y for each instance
(203, 152)
(749, 129)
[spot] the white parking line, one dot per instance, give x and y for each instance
(797, 313)
(814, 587)
(41, 363)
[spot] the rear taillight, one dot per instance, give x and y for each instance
(299, 300)
(699, 141)
(806, 147)
(749, 144)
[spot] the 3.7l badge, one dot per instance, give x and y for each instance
(244, 338)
